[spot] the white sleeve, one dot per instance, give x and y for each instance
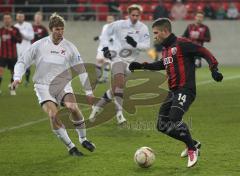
(24, 62)
(78, 65)
(103, 30)
(144, 42)
(28, 34)
(106, 34)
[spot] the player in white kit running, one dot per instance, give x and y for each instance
(54, 57)
(130, 37)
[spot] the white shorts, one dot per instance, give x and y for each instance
(101, 57)
(43, 93)
(120, 67)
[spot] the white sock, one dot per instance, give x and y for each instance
(63, 136)
(81, 134)
(81, 130)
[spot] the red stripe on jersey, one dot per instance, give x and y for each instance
(4, 45)
(181, 67)
(9, 46)
(172, 71)
(1, 43)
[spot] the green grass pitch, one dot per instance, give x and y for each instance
(29, 148)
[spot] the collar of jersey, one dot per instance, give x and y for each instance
(169, 40)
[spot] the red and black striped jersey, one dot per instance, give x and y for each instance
(9, 38)
(197, 33)
(178, 61)
(40, 32)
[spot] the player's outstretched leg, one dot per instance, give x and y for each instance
(118, 87)
(173, 126)
(58, 128)
(105, 73)
(81, 130)
(106, 98)
(78, 121)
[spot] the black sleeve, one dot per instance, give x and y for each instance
(207, 37)
(191, 49)
(158, 65)
(16, 36)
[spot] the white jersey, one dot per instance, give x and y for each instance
(27, 33)
(121, 50)
(53, 63)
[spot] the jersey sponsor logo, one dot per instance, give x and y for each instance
(173, 50)
(54, 52)
(6, 37)
(167, 60)
(63, 52)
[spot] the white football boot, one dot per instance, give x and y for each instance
(192, 158)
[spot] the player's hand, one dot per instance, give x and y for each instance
(15, 84)
(90, 99)
(135, 66)
(131, 41)
(107, 53)
(217, 76)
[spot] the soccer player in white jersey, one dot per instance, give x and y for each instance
(130, 37)
(54, 57)
(102, 63)
(27, 33)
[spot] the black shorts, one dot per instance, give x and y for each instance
(9, 63)
(180, 99)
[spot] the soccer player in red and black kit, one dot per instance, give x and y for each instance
(40, 31)
(9, 36)
(198, 33)
(178, 61)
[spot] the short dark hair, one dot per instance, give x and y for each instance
(162, 23)
(20, 12)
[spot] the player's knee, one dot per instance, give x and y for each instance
(176, 114)
(118, 92)
(53, 116)
(72, 107)
(162, 123)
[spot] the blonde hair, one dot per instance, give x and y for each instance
(56, 20)
(134, 7)
(39, 13)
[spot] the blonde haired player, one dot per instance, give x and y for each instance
(53, 56)
(130, 37)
